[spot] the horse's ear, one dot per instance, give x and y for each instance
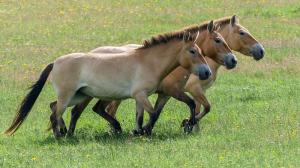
(210, 26)
(186, 36)
(234, 20)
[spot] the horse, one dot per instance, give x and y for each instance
(135, 74)
(212, 45)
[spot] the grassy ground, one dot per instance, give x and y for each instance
(255, 119)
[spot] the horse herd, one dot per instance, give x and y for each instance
(168, 64)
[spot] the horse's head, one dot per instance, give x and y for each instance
(215, 47)
(192, 58)
(241, 40)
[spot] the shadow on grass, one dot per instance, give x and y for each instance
(86, 135)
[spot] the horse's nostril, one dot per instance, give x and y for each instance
(206, 73)
(233, 61)
(262, 52)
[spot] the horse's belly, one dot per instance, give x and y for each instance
(106, 93)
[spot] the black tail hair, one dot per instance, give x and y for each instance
(29, 100)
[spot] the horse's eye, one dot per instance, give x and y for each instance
(217, 40)
(242, 33)
(192, 51)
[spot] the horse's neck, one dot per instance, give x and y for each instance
(161, 59)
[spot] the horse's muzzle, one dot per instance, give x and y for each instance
(257, 51)
(204, 72)
(230, 61)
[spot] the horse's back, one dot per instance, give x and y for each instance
(99, 75)
(115, 49)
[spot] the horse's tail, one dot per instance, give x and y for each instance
(29, 100)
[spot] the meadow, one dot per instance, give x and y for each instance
(255, 117)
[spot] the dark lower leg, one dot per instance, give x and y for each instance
(99, 108)
(160, 103)
(181, 96)
(149, 126)
(143, 102)
(139, 118)
(54, 122)
(57, 131)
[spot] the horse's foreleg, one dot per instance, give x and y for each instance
(99, 108)
(161, 101)
(143, 101)
(139, 118)
(75, 114)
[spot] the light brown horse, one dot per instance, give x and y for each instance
(212, 45)
(135, 74)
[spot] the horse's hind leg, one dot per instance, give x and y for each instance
(99, 108)
(58, 126)
(53, 109)
(75, 114)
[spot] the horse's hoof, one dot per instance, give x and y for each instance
(138, 132)
(184, 122)
(70, 134)
(116, 131)
(58, 135)
(187, 128)
(63, 131)
(147, 130)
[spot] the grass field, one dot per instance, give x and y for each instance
(255, 118)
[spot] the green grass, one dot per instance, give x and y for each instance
(254, 121)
